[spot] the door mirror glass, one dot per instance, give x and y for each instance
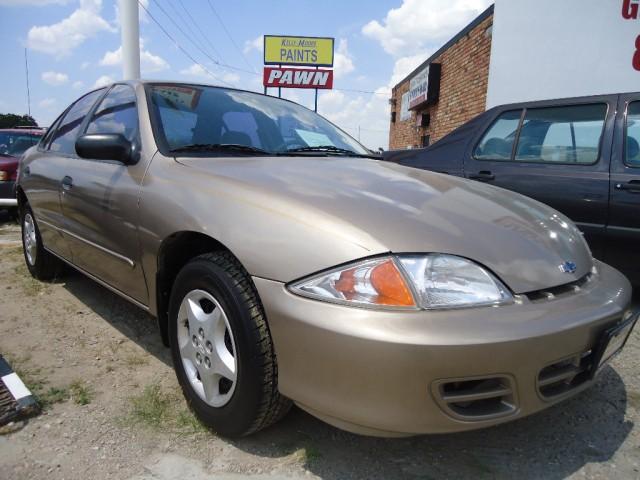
(105, 146)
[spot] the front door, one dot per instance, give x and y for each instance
(623, 231)
(100, 202)
(557, 154)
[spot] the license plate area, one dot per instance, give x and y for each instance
(612, 341)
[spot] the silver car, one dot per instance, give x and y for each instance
(287, 263)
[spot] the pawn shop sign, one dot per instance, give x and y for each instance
(297, 78)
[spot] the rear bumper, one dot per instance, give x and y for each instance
(8, 194)
(388, 373)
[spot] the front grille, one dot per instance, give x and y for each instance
(559, 291)
(477, 398)
(564, 376)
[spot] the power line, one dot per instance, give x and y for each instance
(221, 64)
(206, 38)
(188, 37)
(230, 36)
(180, 47)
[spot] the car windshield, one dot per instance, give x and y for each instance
(194, 118)
(15, 143)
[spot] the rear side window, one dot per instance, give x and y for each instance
(568, 134)
(497, 143)
(64, 138)
(117, 113)
(632, 144)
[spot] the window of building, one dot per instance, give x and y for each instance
(497, 142)
(632, 144)
(566, 134)
(393, 117)
(64, 138)
(425, 140)
(117, 113)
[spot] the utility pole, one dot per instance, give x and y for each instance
(130, 35)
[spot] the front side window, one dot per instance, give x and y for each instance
(15, 144)
(568, 134)
(195, 115)
(117, 113)
(63, 140)
(497, 142)
(632, 144)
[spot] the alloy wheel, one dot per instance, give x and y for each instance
(30, 239)
(207, 348)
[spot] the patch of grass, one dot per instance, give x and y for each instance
(186, 420)
(156, 408)
(52, 396)
(30, 285)
(136, 360)
(152, 407)
(35, 381)
(307, 454)
(81, 393)
(633, 398)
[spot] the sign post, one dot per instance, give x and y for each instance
(291, 55)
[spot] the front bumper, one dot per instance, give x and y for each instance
(8, 194)
(387, 373)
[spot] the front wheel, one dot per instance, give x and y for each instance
(221, 347)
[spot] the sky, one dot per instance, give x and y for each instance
(73, 46)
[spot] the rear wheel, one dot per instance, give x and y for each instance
(41, 264)
(221, 347)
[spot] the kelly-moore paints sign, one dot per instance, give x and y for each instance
(297, 78)
(309, 51)
(547, 49)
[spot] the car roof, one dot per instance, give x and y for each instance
(193, 84)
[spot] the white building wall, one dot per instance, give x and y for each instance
(545, 49)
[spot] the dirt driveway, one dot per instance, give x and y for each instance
(113, 409)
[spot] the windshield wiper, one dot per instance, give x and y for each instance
(218, 147)
(331, 149)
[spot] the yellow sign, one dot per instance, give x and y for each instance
(314, 51)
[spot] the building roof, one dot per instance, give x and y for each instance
(479, 19)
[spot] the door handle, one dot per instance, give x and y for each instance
(483, 175)
(67, 182)
(633, 186)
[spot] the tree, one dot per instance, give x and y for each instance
(10, 120)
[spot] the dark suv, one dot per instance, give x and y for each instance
(580, 155)
(13, 143)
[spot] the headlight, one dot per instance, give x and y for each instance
(447, 281)
(432, 281)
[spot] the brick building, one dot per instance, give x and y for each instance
(446, 90)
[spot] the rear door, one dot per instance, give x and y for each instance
(557, 153)
(623, 231)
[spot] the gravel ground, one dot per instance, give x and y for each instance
(113, 409)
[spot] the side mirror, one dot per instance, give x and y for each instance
(105, 146)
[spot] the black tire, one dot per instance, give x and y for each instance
(255, 402)
(45, 266)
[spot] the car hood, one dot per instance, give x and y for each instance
(405, 210)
